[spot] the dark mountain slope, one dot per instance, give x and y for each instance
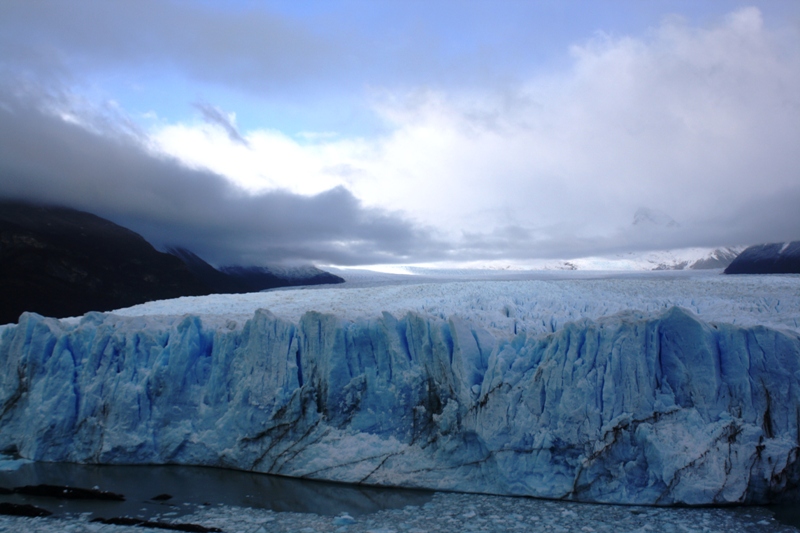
(773, 258)
(217, 282)
(237, 279)
(261, 278)
(62, 262)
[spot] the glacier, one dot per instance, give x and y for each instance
(650, 396)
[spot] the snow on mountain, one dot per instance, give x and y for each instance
(686, 258)
(656, 390)
(678, 259)
(717, 258)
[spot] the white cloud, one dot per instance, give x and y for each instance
(696, 122)
(270, 160)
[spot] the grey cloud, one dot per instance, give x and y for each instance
(770, 218)
(214, 115)
(266, 48)
(701, 123)
(255, 49)
(105, 170)
(250, 46)
(709, 137)
(45, 159)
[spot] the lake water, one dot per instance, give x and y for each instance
(191, 487)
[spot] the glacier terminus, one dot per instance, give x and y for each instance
(681, 389)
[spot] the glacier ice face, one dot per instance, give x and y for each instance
(652, 407)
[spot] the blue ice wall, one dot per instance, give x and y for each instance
(632, 408)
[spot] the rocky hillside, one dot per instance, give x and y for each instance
(773, 258)
(62, 262)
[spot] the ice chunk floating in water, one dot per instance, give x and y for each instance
(656, 407)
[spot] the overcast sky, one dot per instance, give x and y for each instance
(366, 132)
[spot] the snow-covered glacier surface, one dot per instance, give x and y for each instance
(648, 391)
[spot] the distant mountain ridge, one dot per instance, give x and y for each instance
(718, 258)
(677, 259)
(699, 260)
(269, 277)
(238, 279)
(772, 258)
(60, 262)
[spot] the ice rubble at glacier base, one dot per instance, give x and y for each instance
(449, 513)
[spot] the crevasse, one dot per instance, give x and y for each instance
(658, 408)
